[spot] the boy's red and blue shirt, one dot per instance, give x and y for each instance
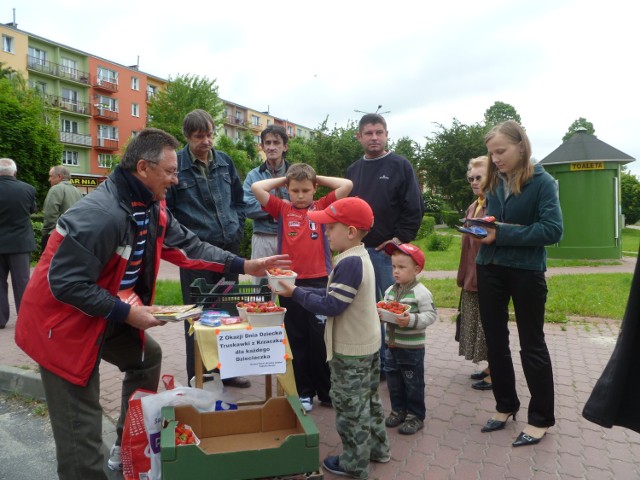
(303, 240)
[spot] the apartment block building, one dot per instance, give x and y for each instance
(102, 103)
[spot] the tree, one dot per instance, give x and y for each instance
(445, 159)
(183, 94)
(411, 151)
(301, 151)
(29, 133)
(6, 72)
(630, 197)
(244, 153)
(500, 112)
(581, 123)
(335, 150)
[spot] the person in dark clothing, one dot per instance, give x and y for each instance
(387, 182)
(208, 200)
(510, 266)
(616, 396)
(17, 203)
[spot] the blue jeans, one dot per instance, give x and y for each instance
(384, 279)
(405, 380)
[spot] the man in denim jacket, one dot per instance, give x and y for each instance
(208, 200)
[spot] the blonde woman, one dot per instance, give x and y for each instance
(510, 266)
(472, 342)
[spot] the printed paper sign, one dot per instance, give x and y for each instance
(258, 351)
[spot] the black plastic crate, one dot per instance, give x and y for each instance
(224, 295)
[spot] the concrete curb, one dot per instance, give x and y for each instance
(28, 383)
(21, 381)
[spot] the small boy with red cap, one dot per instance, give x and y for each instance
(352, 338)
(404, 355)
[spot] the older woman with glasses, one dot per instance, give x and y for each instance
(472, 342)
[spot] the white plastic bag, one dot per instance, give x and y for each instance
(203, 400)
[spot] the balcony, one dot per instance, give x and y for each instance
(104, 113)
(106, 85)
(71, 138)
(72, 106)
(256, 126)
(57, 70)
(150, 95)
(107, 144)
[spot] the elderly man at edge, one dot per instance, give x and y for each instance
(60, 197)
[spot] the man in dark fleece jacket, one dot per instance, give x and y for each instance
(387, 182)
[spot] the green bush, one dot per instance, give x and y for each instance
(437, 216)
(439, 243)
(432, 202)
(427, 227)
(451, 218)
(36, 223)
(245, 245)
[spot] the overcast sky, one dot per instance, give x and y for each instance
(425, 62)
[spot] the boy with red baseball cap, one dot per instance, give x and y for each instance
(404, 355)
(352, 337)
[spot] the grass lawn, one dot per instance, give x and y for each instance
(591, 295)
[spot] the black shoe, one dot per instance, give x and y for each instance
(478, 375)
(482, 385)
(238, 382)
(524, 440)
(493, 425)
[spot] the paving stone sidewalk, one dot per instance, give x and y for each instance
(451, 445)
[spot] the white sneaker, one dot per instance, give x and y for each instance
(115, 462)
(307, 403)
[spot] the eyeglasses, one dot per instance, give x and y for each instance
(170, 173)
(477, 178)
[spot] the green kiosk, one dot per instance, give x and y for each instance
(588, 174)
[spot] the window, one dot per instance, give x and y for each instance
(107, 103)
(256, 138)
(135, 83)
(69, 68)
(255, 120)
(299, 132)
(40, 87)
(69, 126)
(135, 110)
(37, 56)
(70, 157)
(290, 131)
(7, 43)
(107, 131)
(70, 96)
(106, 75)
(239, 115)
(151, 91)
(105, 160)
(268, 122)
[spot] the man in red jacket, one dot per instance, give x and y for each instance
(90, 297)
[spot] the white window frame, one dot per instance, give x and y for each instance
(70, 158)
(107, 75)
(107, 103)
(135, 110)
(105, 160)
(255, 120)
(40, 56)
(107, 131)
(8, 44)
(69, 126)
(70, 67)
(135, 83)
